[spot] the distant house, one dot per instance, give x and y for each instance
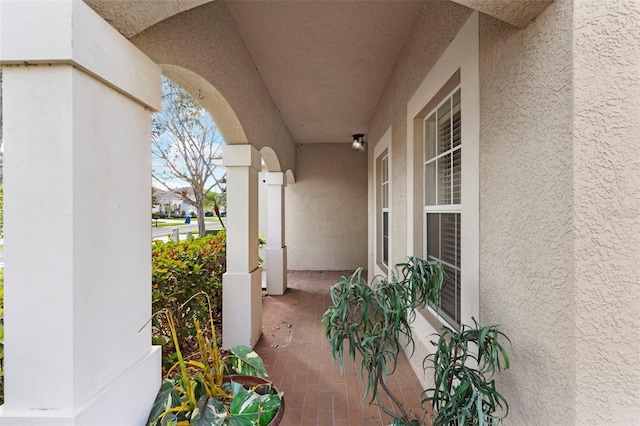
(170, 201)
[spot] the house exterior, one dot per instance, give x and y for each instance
(170, 202)
(537, 224)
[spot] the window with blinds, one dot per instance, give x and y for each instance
(442, 191)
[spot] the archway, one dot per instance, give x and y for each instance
(272, 217)
(211, 100)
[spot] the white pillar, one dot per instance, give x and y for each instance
(241, 284)
(276, 247)
(77, 103)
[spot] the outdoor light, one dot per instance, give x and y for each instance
(358, 142)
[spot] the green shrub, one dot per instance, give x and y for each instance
(181, 269)
(1, 211)
(1, 336)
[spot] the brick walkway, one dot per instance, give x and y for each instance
(299, 362)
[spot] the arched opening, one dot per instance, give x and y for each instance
(186, 156)
(272, 184)
(270, 159)
(188, 209)
(211, 100)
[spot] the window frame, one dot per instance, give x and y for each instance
(459, 61)
(381, 156)
(436, 207)
(381, 149)
(385, 194)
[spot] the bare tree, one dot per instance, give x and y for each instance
(186, 145)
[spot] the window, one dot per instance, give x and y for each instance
(384, 191)
(443, 192)
(442, 198)
(382, 205)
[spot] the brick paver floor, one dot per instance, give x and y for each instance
(299, 361)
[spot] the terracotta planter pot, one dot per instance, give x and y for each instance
(259, 383)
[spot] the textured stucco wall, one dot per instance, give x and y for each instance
(526, 207)
(606, 60)
(433, 29)
(326, 209)
(517, 13)
(205, 41)
(131, 17)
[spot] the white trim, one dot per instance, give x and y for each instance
(385, 186)
(444, 208)
(463, 54)
(383, 144)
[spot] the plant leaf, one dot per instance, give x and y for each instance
(209, 412)
(251, 408)
(244, 360)
(166, 399)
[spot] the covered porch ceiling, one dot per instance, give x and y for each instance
(324, 63)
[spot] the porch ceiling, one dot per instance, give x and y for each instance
(325, 63)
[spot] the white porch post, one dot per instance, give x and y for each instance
(77, 103)
(241, 284)
(276, 248)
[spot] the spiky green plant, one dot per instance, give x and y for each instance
(200, 394)
(375, 320)
(464, 365)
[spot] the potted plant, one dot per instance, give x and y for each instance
(375, 321)
(464, 364)
(212, 388)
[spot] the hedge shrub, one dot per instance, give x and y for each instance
(181, 269)
(1, 336)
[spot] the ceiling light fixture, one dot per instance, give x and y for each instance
(358, 142)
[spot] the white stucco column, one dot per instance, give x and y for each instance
(276, 248)
(241, 284)
(77, 103)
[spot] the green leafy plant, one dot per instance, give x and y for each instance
(262, 242)
(202, 393)
(181, 269)
(1, 336)
(1, 210)
(375, 319)
(464, 364)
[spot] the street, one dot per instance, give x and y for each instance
(168, 230)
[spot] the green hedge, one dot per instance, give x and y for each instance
(1, 336)
(181, 269)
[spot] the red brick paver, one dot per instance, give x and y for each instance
(299, 361)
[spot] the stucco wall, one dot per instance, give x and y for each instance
(546, 207)
(526, 207)
(606, 139)
(432, 32)
(326, 209)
